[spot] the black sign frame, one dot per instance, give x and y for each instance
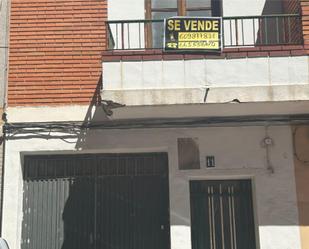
(204, 39)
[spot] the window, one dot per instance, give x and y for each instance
(160, 9)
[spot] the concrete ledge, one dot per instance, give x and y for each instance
(136, 97)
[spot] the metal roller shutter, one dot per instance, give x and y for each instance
(96, 201)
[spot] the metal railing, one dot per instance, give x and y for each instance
(238, 31)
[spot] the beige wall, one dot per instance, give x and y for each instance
(239, 154)
(1, 167)
(301, 161)
(4, 26)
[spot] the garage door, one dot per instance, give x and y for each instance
(112, 201)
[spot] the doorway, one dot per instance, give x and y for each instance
(99, 201)
(222, 214)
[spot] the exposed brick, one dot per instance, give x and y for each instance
(110, 58)
(247, 49)
(233, 50)
(271, 48)
(279, 53)
(173, 57)
(55, 51)
(131, 57)
(292, 47)
(298, 52)
(154, 57)
(236, 55)
(215, 56)
(304, 6)
(258, 54)
(194, 56)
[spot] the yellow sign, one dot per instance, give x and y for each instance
(189, 33)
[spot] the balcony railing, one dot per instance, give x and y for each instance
(240, 31)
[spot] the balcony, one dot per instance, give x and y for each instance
(264, 59)
(240, 31)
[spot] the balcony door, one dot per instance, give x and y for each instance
(160, 9)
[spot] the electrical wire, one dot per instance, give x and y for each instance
(77, 127)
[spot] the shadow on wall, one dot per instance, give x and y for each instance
(283, 30)
(270, 29)
(301, 160)
(94, 113)
(78, 215)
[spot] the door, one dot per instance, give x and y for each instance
(222, 215)
(132, 202)
(101, 201)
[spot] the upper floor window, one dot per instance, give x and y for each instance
(160, 9)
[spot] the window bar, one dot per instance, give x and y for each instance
(95, 200)
(128, 30)
(236, 31)
(122, 35)
(231, 34)
(139, 36)
(162, 37)
(223, 37)
(277, 27)
(300, 37)
(242, 32)
(234, 217)
(266, 31)
(289, 29)
(222, 219)
(210, 218)
(284, 29)
(260, 30)
(213, 217)
(298, 31)
(254, 41)
(230, 216)
(117, 42)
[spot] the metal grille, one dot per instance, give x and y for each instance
(222, 215)
(238, 31)
(96, 201)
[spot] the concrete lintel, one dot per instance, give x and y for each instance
(146, 97)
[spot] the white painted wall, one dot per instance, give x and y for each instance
(238, 153)
(211, 73)
(4, 27)
(80, 113)
(248, 29)
(127, 10)
(185, 81)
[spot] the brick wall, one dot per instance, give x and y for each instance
(305, 22)
(55, 51)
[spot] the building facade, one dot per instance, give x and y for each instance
(4, 11)
(113, 142)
